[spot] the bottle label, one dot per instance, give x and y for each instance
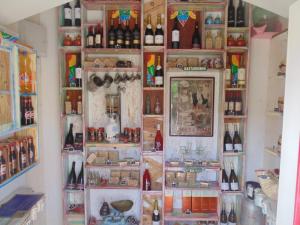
(90, 41)
(14, 164)
(228, 147)
(159, 39)
(111, 42)
(31, 155)
(149, 39)
(3, 169)
(223, 223)
(238, 106)
(227, 74)
(238, 147)
(23, 158)
(157, 145)
(98, 39)
(27, 115)
(136, 41)
(147, 185)
(234, 186)
(159, 81)
(78, 73)
(175, 36)
(120, 41)
(77, 13)
(226, 106)
(241, 74)
(224, 186)
(68, 13)
(79, 107)
(230, 223)
(231, 106)
(127, 42)
(32, 115)
(155, 222)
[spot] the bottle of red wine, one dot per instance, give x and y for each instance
(231, 104)
(136, 35)
(69, 142)
(67, 15)
(149, 34)
(31, 151)
(232, 216)
(175, 35)
(23, 119)
(227, 140)
(31, 110)
(223, 217)
(196, 40)
(159, 74)
(71, 183)
(120, 36)
(77, 12)
(111, 35)
(80, 180)
(233, 180)
(13, 161)
(3, 168)
(231, 14)
(98, 37)
(128, 36)
(23, 156)
(159, 33)
(90, 38)
(158, 142)
(240, 15)
(237, 141)
(225, 181)
(146, 179)
(238, 106)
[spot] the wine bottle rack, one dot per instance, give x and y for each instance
(94, 12)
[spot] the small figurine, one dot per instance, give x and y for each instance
(104, 210)
(67, 40)
(77, 41)
(218, 20)
(230, 41)
(209, 20)
(241, 41)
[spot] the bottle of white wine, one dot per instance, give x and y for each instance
(159, 33)
(237, 141)
(149, 35)
(225, 181)
(233, 180)
(155, 214)
(223, 217)
(175, 35)
(227, 140)
(159, 74)
(232, 216)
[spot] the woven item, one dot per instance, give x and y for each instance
(268, 182)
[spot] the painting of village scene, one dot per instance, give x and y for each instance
(191, 106)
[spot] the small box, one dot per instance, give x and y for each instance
(103, 154)
(125, 173)
(170, 176)
(168, 201)
(135, 175)
(196, 201)
(113, 156)
(187, 201)
(100, 160)
(114, 180)
(193, 62)
(91, 158)
(133, 182)
(180, 176)
(115, 173)
(191, 178)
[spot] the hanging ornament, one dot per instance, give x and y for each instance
(183, 16)
(150, 70)
(124, 14)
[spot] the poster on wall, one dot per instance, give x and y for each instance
(192, 106)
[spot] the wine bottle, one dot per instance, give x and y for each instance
(69, 142)
(232, 216)
(98, 37)
(157, 108)
(238, 109)
(159, 74)
(223, 217)
(175, 35)
(155, 214)
(146, 179)
(226, 104)
(149, 35)
(77, 12)
(196, 40)
(230, 104)
(128, 36)
(23, 119)
(80, 179)
(233, 180)
(136, 35)
(79, 105)
(240, 15)
(31, 151)
(225, 181)
(237, 142)
(227, 140)
(78, 72)
(12, 160)
(27, 112)
(23, 156)
(231, 14)
(90, 38)
(3, 168)
(158, 143)
(148, 105)
(67, 15)
(71, 183)
(31, 111)
(120, 36)
(159, 33)
(111, 35)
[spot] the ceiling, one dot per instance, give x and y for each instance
(12, 11)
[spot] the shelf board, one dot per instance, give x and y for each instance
(18, 174)
(69, 29)
(275, 114)
(113, 167)
(194, 51)
(150, 153)
(14, 130)
(72, 88)
(237, 49)
(153, 88)
(75, 152)
(71, 115)
(98, 4)
(112, 51)
(237, 29)
(214, 26)
(153, 116)
(5, 92)
(154, 48)
(178, 70)
(234, 117)
(28, 94)
(113, 145)
(235, 89)
(152, 193)
(233, 192)
(272, 152)
(73, 190)
(179, 216)
(196, 3)
(76, 49)
(212, 186)
(93, 187)
(181, 165)
(111, 69)
(233, 154)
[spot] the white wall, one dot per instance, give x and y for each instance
(291, 123)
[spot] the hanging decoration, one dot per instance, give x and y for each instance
(124, 14)
(235, 64)
(8, 37)
(150, 69)
(183, 16)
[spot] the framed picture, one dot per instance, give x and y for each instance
(192, 106)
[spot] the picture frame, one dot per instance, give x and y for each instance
(192, 106)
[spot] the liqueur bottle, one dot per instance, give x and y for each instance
(238, 109)
(225, 181)
(232, 216)
(111, 35)
(128, 36)
(136, 35)
(31, 151)
(227, 140)
(98, 37)
(157, 108)
(231, 14)
(158, 144)
(3, 168)
(146, 179)
(77, 12)
(67, 15)
(223, 217)
(159, 33)
(90, 38)
(237, 141)
(149, 35)
(120, 36)
(175, 35)
(155, 214)
(71, 183)
(23, 156)
(69, 142)
(233, 180)
(240, 15)
(159, 74)
(196, 40)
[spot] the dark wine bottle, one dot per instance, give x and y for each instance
(175, 35)
(231, 104)
(159, 74)
(80, 180)
(196, 40)
(149, 35)
(31, 151)
(71, 183)
(27, 112)
(111, 35)
(238, 106)
(237, 141)
(77, 13)
(231, 14)
(233, 180)
(3, 168)
(128, 36)
(23, 119)
(13, 160)
(120, 36)
(78, 71)
(240, 15)
(23, 156)
(69, 142)
(98, 37)
(90, 38)
(155, 214)
(31, 110)
(136, 43)
(232, 216)
(159, 33)
(67, 15)
(223, 217)
(225, 181)
(227, 140)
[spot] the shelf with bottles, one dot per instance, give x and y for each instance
(153, 71)
(233, 138)
(232, 175)
(70, 16)
(72, 101)
(233, 105)
(231, 209)
(152, 207)
(72, 143)
(238, 15)
(153, 103)
(152, 179)
(71, 71)
(191, 164)
(214, 19)
(70, 39)
(73, 170)
(213, 39)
